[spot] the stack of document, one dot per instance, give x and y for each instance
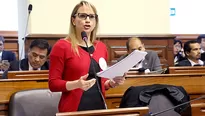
(123, 65)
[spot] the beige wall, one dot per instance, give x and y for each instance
(117, 17)
(8, 15)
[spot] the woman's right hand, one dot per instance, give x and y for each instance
(85, 84)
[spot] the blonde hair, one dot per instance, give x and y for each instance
(72, 32)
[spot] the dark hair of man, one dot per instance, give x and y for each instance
(2, 38)
(202, 36)
(40, 43)
(187, 47)
(49, 50)
(178, 41)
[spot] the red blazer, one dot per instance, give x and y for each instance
(65, 65)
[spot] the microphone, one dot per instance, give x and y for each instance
(30, 7)
(85, 38)
(166, 110)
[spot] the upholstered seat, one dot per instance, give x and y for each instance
(36, 102)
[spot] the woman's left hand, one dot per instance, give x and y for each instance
(119, 80)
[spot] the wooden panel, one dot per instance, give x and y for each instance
(186, 37)
(11, 41)
(163, 44)
(117, 51)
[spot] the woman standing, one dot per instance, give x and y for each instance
(73, 70)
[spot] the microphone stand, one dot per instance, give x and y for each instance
(24, 38)
(98, 85)
(157, 113)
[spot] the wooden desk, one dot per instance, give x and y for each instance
(194, 84)
(186, 69)
(197, 110)
(140, 111)
(27, 74)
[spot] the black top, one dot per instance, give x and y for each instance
(92, 99)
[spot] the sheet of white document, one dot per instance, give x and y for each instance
(123, 66)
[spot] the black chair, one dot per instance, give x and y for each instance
(35, 102)
(158, 98)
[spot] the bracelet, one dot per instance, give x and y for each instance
(110, 84)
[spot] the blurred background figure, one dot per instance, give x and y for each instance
(201, 41)
(5, 56)
(178, 51)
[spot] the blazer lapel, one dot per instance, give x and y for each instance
(24, 64)
(45, 66)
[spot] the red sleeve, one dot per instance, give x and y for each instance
(57, 58)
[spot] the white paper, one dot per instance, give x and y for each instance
(123, 66)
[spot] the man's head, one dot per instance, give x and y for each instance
(1, 43)
(38, 51)
(201, 40)
(134, 43)
(192, 50)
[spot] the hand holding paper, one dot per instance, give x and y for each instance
(123, 66)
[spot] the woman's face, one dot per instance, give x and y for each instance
(177, 48)
(85, 19)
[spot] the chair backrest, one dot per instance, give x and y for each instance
(35, 102)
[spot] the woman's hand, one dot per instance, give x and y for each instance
(85, 84)
(119, 80)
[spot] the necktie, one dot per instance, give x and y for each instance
(35, 69)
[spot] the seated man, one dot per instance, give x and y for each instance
(37, 57)
(151, 61)
(5, 56)
(192, 53)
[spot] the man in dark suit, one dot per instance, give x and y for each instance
(5, 56)
(151, 61)
(37, 57)
(192, 53)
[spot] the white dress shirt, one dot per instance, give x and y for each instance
(31, 68)
(200, 62)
